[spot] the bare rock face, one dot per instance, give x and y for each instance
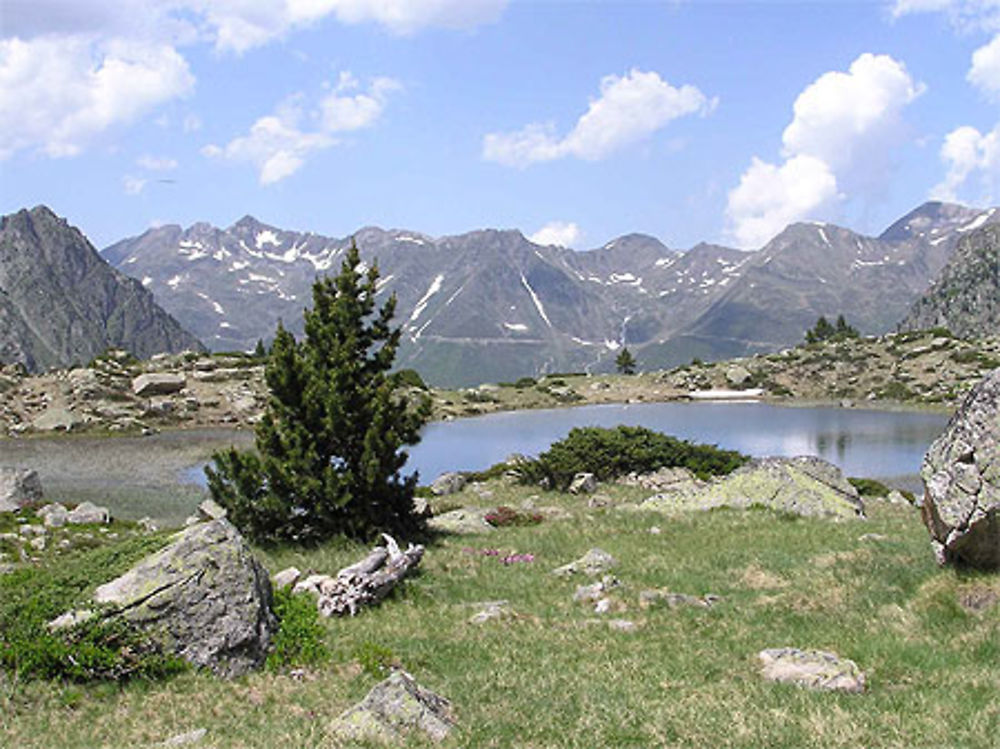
(18, 487)
(961, 473)
(204, 597)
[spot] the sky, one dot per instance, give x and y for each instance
(574, 121)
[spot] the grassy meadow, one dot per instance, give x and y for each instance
(556, 674)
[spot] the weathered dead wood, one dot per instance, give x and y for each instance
(369, 581)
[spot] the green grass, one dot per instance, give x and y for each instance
(555, 675)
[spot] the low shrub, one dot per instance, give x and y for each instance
(503, 517)
(299, 639)
(409, 378)
(609, 453)
(869, 487)
(375, 660)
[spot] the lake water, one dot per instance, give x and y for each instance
(875, 444)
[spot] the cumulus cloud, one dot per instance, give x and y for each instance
(964, 14)
(970, 156)
(629, 109)
(985, 71)
(56, 93)
(156, 163)
(835, 148)
(558, 233)
(133, 185)
(278, 144)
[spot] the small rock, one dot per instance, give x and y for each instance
(814, 669)
(211, 510)
(655, 530)
(312, 584)
(32, 530)
(738, 375)
(491, 610)
(158, 383)
(872, 537)
(286, 578)
(37, 543)
(603, 606)
(394, 708)
(599, 500)
(622, 625)
(185, 739)
(596, 591)
(594, 562)
(652, 598)
(87, 512)
(462, 521)
(583, 483)
(54, 515)
(18, 487)
(147, 524)
(70, 619)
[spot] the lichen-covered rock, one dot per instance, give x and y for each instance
(18, 487)
(448, 483)
(583, 483)
(961, 473)
(594, 562)
(803, 485)
(204, 598)
(88, 512)
(462, 521)
(814, 669)
(394, 708)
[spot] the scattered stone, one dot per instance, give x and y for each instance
(594, 562)
(448, 483)
(147, 524)
(583, 483)
(462, 521)
(663, 479)
(979, 599)
(804, 485)
(211, 510)
(597, 501)
(814, 669)
(18, 487)
(158, 383)
(873, 537)
(37, 543)
(961, 473)
(655, 530)
(32, 530)
(653, 598)
(88, 512)
(394, 708)
(490, 611)
(313, 584)
(70, 619)
(596, 591)
(622, 625)
(57, 419)
(185, 739)
(287, 578)
(204, 598)
(53, 515)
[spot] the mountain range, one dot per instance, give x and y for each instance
(62, 304)
(491, 305)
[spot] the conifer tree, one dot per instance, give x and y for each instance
(329, 446)
(625, 362)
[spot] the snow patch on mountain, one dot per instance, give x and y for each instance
(536, 300)
(519, 327)
(433, 289)
(266, 237)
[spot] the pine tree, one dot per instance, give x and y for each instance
(625, 362)
(328, 448)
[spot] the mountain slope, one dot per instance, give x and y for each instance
(61, 303)
(491, 305)
(966, 297)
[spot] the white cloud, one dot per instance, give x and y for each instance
(278, 144)
(968, 154)
(985, 71)
(558, 233)
(964, 14)
(156, 164)
(629, 109)
(836, 148)
(56, 93)
(133, 185)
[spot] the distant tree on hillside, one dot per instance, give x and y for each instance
(824, 331)
(625, 362)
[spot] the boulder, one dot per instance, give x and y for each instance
(158, 383)
(57, 419)
(462, 521)
(286, 578)
(394, 708)
(18, 487)
(961, 473)
(87, 512)
(54, 515)
(448, 483)
(814, 669)
(594, 562)
(737, 375)
(583, 483)
(204, 598)
(803, 485)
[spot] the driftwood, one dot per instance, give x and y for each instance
(368, 581)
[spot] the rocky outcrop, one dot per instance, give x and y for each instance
(18, 487)
(394, 708)
(961, 474)
(158, 383)
(461, 521)
(594, 562)
(204, 598)
(448, 483)
(803, 485)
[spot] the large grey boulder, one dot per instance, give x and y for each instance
(204, 597)
(451, 482)
(394, 708)
(803, 485)
(18, 487)
(158, 383)
(961, 473)
(462, 521)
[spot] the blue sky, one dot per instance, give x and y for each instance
(573, 121)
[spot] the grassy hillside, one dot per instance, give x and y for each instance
(556, 674)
